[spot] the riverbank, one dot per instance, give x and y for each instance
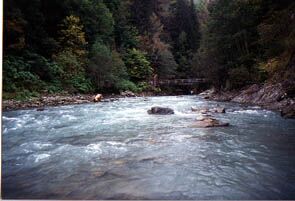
(278, 97)
(47, 100)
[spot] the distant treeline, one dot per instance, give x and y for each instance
(83, 46)
(246, 41)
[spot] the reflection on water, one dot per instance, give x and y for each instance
(117, 151)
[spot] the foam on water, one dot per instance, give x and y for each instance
(117, 150)
(40, 157)
(94, 148)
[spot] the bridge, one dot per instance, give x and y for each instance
(179, 82)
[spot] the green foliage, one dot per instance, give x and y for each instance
(16, 75)
(99, 67)
(239, 77)
(69, 64)
(126, 85)
(98, 21)
(54, 87)
(95, 16)
(72, 37)
(119, 69)
(106, 67)
(166, 64)
(72, 73)
(126, 34)
(185, 20)
(185, 32)
(79, 83)
(138, 66)
(87, 45)
(229, 42)
(47, 70)
(277, 37)
(26, 94)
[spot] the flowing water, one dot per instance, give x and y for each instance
(117, 151)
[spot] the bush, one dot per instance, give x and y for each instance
(26, 94)
(47, 71)
(138, 66)
(126, 85)
(17, 77)
(54, 87)
(69, 64)
(80, 84)
(145, 86)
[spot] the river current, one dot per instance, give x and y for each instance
(117, 151)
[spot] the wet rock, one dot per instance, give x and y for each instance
(262, 95)
(81, 101)
(207, 93)
(128, 94)
(98, 98)
(219, 110)
(202, 111)
(114, 99)
(208, 123)
(40, 109)
(289, 112)
(160, 111)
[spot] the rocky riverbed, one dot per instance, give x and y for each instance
(278, 97)
(64, 99)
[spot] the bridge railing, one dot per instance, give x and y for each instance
(179, 81)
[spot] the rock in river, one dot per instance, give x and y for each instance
(128, 94)
(208, 123)
(160, 111)
(219, 110)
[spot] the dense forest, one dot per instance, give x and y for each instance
(107, 46)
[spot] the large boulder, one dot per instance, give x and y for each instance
(208, 123)
(160, 111)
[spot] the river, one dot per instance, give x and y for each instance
(116, 150)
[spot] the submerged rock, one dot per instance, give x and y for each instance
(208, 123)
(160, 111)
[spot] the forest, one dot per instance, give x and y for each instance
(88, 46)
